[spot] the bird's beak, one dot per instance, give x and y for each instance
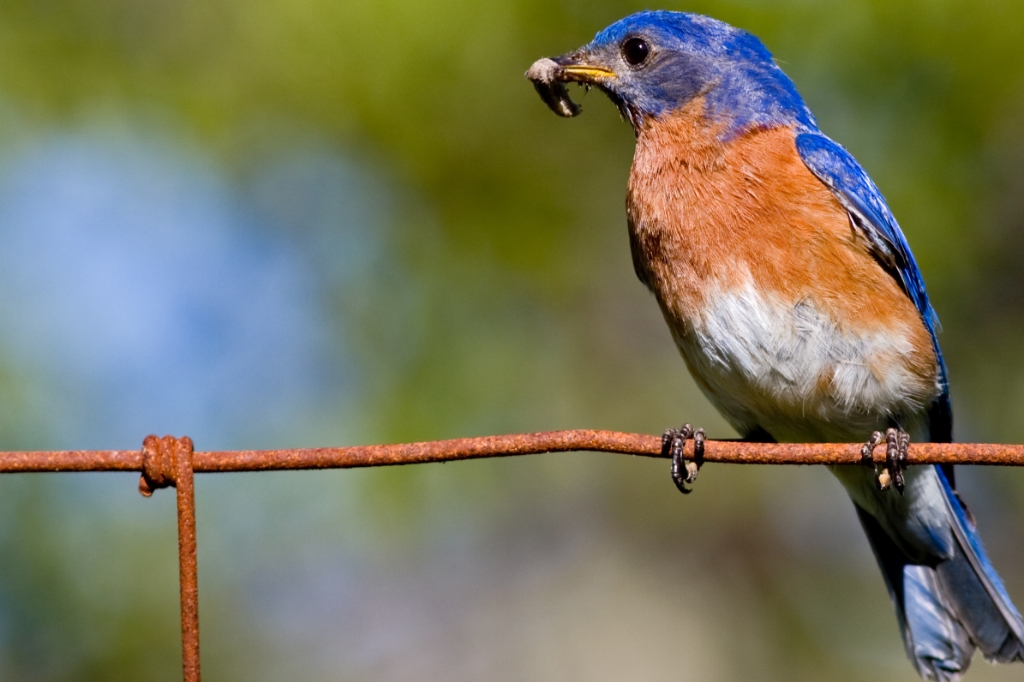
(549, 76)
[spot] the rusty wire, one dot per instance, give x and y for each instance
(169, 461)
(722, 451)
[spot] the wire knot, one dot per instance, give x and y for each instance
(160, 461)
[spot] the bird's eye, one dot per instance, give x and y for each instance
(635, 51)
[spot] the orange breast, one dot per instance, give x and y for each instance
(707, 217)
(702, 213)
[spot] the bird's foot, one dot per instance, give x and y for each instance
(673, 444)
(896, 444)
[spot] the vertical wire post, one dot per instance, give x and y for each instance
(169, 461)
(187, 559)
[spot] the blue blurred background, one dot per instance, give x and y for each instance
(286, 223)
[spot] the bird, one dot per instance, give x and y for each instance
(795, 301)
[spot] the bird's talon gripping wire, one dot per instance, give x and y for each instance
(867, 450)
(897, 442)
(673, 444)
(890, 474)
(867, 457)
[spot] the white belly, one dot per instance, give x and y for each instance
(792, 370)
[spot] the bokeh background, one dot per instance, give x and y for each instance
(319, 222)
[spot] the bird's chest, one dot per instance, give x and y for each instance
(713, 233)
(782, 317)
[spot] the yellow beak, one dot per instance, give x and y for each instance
(584, 72)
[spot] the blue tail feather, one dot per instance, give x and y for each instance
(952, 604)
(997, 625)
(936, 643)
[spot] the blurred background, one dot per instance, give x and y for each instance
(304, 222)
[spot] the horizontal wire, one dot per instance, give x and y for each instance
(723, 451)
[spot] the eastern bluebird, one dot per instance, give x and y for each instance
(794, 300)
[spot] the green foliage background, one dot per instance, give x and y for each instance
(507, 303)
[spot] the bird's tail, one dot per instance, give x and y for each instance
(947, 610)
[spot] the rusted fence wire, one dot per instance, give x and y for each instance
(169, 461)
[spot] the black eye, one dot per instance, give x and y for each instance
(635, 51)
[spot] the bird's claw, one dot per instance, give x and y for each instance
(890, 474)
(673, 444)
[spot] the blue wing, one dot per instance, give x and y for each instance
(869, 213)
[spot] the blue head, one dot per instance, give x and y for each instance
(653, 63)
